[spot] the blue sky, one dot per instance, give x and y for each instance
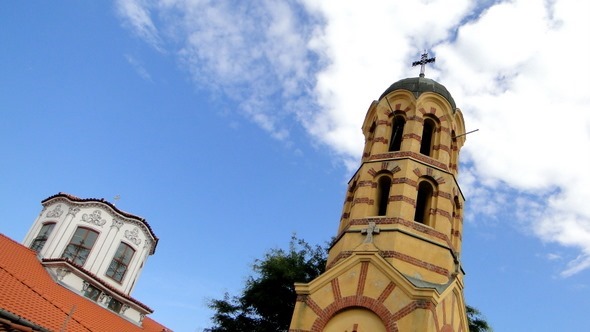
(229, 126)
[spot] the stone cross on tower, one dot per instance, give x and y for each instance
(423, 61)
(370, 230)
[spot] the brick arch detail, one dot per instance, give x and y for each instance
(368, 303)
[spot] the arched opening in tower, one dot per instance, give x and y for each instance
(397, 132)
(383, 199)
(427, 137)
(423, 202)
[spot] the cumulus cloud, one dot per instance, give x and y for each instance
(515, 68)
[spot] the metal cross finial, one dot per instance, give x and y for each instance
(423, 61)
(370, 230)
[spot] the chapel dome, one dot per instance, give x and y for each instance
(419, 85)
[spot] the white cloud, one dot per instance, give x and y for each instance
(256, 55)
(515, 68)
(138, 67)
(137, 15)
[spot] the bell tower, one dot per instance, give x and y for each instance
(395, 262)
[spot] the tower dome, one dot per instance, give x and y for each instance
(419, 85)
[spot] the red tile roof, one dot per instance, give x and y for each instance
(29, 292)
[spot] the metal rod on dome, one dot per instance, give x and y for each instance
(466, 133)
(390, 108)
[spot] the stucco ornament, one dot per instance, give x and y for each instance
(55, 213)
(94, 218)
(62, 272)
(73, 210)
(117, 223)
(133, 236)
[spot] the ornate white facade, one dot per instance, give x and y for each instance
(95, 249)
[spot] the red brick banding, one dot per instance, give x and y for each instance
(336, 289)
(362, 278)
(416, 262)
(386, 292)
(355, 301)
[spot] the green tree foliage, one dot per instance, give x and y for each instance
(476, 321)
(267, 301)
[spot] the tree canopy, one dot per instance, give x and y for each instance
(476, 321)
(267, 301)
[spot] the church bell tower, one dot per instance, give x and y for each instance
(394, 264)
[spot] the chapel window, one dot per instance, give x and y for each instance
(114, 305)
(91, 292)
(427, 137)
(397, 132)
(120, 262)
(42, 237)
(80, 245)
(423, 202)
(383, 195)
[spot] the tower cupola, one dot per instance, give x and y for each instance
(95, 249)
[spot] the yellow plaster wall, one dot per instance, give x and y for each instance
(323, 296)
(420, 320)
(375, 283)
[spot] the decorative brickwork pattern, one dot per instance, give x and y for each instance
(419, 304)
(386, 292)
(355, 301)
(387, 166)
(415, 262)
(364, 200)
(408, 154)
(342, 255)
(404, 180)
(397, 198)
(362, 278)
(381, 139)
(365, 184)
(411, 224)
(336, 289)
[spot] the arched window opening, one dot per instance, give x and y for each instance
(397, 132)
(423, 202)
(42, 237)
(427, 137)
(120, 262)
(383, 198)
(80, 245)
